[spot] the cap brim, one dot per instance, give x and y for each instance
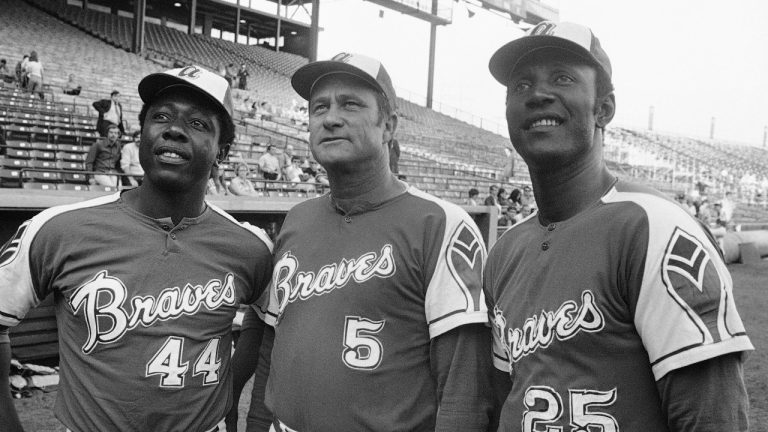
(306, 76)
(153, 84)
(506, 58)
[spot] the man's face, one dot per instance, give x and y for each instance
(527, 192)
(113, 134)
(494, 190)
(116, 97)
(525, 211)
(551, 102)
(179, 140)
(344, 126)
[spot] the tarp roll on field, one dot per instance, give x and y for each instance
(732, 240)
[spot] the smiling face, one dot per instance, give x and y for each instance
(552, 108)
(179, 140)
(345, 129)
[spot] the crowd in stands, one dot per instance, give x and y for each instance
(28, 74)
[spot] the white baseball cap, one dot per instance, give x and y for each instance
(366, 68)
(568, 36)
(211, 85)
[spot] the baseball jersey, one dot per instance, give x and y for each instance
(356, 299)
(590, 312)
(144, 309)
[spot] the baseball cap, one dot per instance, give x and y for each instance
(572, 37)
(206, 82)
(366, 68)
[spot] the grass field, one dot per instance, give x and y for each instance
(750, 290)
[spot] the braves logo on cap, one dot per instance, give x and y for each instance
(190, 72)
(11, 248)
(465, 260)
(342, 57)
(693, 281)
(543, 28)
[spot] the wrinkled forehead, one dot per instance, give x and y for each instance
(340, 83)
(183, 98)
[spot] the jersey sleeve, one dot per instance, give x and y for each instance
(266, 306)
(495, 318)
(17, 290)
(685, 311)
(454, 294)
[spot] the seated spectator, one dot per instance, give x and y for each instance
(515, 198)
(508, 217)
(129, 162)
(525, 211)
(265, 110)
(5, 74)
(104, 157)
(474, 195)
(34, 70)
(293, 172)
(215, 184)
(527, 197)
(72, 87)
(269, 163)
(240, 185)
(322, 176)
(502, 197)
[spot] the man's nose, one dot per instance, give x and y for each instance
(540, 94)
(175, 132)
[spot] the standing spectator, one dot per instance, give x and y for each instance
(34, 71)
(72, 87)
(129, 161)
(110, 112)
(240, 184)
(104, 157)
(285, 158)
(394, 155)
(21, 74)
(242, 76)
(270, 164)
(231, 75)
(474, 196)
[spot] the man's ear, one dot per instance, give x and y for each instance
(390, 126)
(606, 108)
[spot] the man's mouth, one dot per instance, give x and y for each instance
(171, 156)
(542, 122)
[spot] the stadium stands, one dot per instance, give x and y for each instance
(441, 155)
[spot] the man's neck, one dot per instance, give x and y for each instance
(372, 186)
(565, 192)
(157, 203)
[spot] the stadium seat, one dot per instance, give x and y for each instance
(39, 186)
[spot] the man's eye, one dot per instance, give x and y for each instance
(160, 116)
(352, 104)
(319, 107)
(521, 86)
(564, 79)
(199, 124)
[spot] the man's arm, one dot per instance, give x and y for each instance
(9, 419)
(101, 106)
(244, 360)
(91, 158)
(461, 364)
(709, 396)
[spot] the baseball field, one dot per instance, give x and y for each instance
(750, 290)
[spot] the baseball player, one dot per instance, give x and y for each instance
(612, 308)
(376, 297)
(146, 282)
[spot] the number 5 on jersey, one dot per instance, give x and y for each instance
(362, 350)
